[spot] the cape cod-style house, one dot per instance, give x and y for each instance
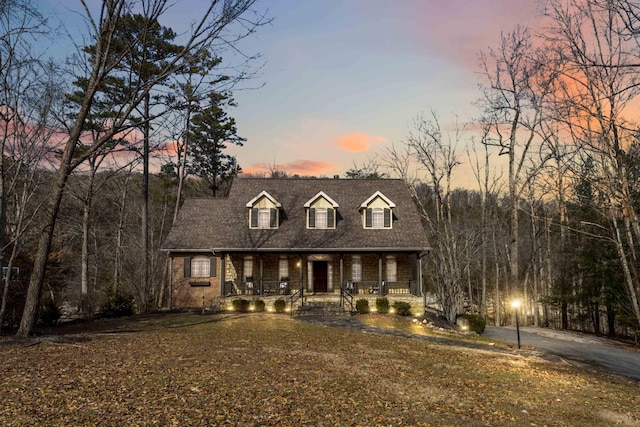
(273, 237)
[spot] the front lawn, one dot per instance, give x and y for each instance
(267, 369)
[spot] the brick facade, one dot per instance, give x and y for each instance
(193, 292)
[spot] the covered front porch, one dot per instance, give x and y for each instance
(266, 274)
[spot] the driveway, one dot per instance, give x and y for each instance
(576, 348)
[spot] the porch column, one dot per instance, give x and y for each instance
(261, 270)
(223, 275)
(341, 271)
(300, 284)
(380, 275)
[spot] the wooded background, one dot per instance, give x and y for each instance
(101, 147)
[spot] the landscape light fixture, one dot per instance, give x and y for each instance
(516, 306)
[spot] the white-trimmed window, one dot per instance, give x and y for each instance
(377, 219)
(199, 266)
(247, 268)
(322, 218)
(284, 268)
(264, 218)
(392, 269)
(356, 269)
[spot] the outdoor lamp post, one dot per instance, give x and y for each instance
(516, 306)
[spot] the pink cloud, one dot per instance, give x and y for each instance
(459, 30)
(358, 142)
(296, 167)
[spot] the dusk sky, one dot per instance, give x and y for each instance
(342, 79)
(345, 78)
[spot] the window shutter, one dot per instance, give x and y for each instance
(368, 218)
(254, 218)
(312, 218)
(187, 266)
(331, 215)
(274, 217)
(387, 217)
(212, 266)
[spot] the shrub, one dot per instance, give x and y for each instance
(477, 323)
(241, 305)
(116, 305)
(402, 308)
(280, 305)
(50, 313)
(382, 305)
(258, 306)
(362, 306)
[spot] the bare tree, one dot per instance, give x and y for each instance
(210, 29)
(516, 85)
(428, 150)
(489, 187)
(27, 96)
(599, 82)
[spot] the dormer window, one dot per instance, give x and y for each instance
(322, 218)
(321, 211)
(377, 211)
(263, 211)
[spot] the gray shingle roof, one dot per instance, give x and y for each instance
(222, 224)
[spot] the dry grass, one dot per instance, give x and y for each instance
(187, 369)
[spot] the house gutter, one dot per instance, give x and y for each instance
(298, 250)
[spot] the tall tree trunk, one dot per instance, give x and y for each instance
(182, 167)
(144, 295)
(119, 234)
(626, 268)
(32, 301)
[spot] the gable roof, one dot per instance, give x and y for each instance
(373, 197)
(324, 196)
(263, 193)
(222, 224)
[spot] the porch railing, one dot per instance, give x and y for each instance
(268, 288)
(346, 298)
(297, 295)
(383, 288)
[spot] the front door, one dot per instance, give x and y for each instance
(320, 276)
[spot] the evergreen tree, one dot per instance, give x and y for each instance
(212, 129)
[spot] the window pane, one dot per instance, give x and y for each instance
(264, 218)
(284, 268)
(248, 268)
(321, 218)
(392, 270)
(200, 267)
(356, 270)
(378, 218)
